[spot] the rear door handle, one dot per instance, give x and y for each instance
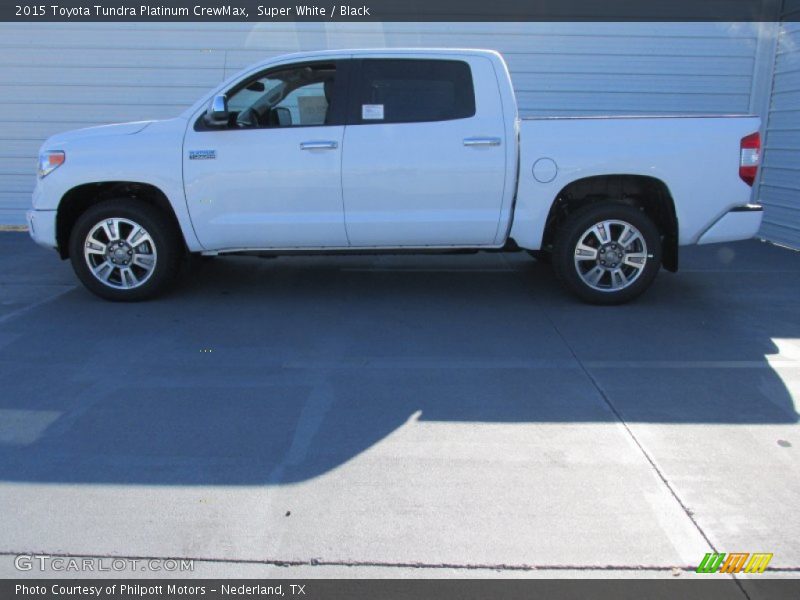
(482, 141)
(319, 145)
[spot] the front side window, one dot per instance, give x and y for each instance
(298, 96)
(409, 91)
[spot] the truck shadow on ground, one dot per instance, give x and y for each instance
(276, 371)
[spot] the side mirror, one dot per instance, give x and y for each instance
(284, 116)
(217, 114)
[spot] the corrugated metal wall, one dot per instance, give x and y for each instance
(63, 76)
(780, 176)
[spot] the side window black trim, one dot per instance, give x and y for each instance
(354, 105)
(338, 113)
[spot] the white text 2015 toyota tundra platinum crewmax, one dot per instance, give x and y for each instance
(386, 150)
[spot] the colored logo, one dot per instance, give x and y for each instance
(735, 562)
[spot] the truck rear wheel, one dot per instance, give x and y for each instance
(123, 250)
(607, 253)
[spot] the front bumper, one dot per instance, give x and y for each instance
(740, 223)
(42, 227)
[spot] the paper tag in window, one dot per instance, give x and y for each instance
(372, 112)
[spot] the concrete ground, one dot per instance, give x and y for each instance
(402, 417)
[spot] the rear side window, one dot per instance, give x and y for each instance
(412, 91)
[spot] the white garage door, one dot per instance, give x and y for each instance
(56, 76)
(780, 177)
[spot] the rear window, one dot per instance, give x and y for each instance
(413, 91)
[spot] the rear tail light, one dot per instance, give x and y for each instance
(749, 155)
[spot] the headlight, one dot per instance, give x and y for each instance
(49, 161)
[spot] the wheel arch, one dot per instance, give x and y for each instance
(81, 197)
(649, 194)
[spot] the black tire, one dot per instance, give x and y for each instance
(166, 250)
(573, 230)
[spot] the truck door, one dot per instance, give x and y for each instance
(424, 162)
(271, 178)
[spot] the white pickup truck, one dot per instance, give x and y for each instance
(387, 150)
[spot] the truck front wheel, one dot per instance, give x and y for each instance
(607, 253)
(124, 250)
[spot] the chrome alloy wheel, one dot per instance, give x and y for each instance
(120, 253)
(610, 255)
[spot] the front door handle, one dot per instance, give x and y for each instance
(482, 141)
(319, 145)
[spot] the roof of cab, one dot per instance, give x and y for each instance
(362, 52)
